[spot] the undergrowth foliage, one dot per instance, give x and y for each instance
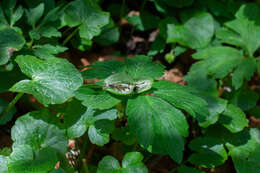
(129, 103)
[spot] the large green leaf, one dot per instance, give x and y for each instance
(180, 97)
(9, 41)
(87, 15)
(246, 155)
(242, 33)
(158, 125)
(104, 69)
(32, 129)
(138, 67)
(220, 60)
(52, 81)
(195, 32)
(96, 99)
(25, 158)
(210, 152)
(141, 67)
(233, 118)
(131, 163)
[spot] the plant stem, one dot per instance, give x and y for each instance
(91, 150)
(11, 104)
(70, 36)
(122, 10)
(85, 166)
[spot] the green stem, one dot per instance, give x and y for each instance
(70, 36)
(11, 104)
(85, 166)
(122, 10)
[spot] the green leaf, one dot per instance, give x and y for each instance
(96, 99)
(233, 118)
(3, 22)
(8, 116)
(98, 123)
(185, 169)
(18, 13)
(142, 67)
(210, 152)
(220, 60)
(242, 33)
(101, 70)
(87, 15)
(162, 130)
(245, 70)
(3, 164)
(32, 129)
(244, 98)
(9, 41)
(131, 163)
(180, 97)
(249, 11)
(197, 78)
(195, 32)
(53, 80)
(48, 26)
(215, 107)
(138, 67)
(74, 116)
(246, 155)
(157, 46)
(9, 78)
(99, 133)
(142, 22)
(109, 35)
(34, 14)
(100, 126)
(123, 134)
(47, 51)
(24, 157)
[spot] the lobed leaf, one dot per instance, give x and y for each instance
(87, 15)
(210, 152)
(131, 163)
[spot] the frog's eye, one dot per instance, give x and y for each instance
(143, 85)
